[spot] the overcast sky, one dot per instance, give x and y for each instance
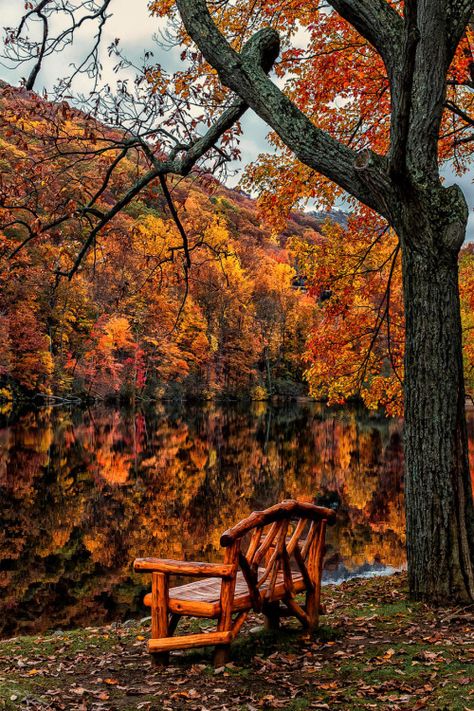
(132, 23)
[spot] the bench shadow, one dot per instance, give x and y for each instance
(289, 639)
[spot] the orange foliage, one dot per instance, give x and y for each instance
(357, 344)
(130, 324)
(340, 82)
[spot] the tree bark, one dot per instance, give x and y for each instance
(438, 490)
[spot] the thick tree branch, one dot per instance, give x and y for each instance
(378, 22)
(460, 13)
(312, 146)
(432, 61)
(194, 152)
(402, 88)
(431, 34)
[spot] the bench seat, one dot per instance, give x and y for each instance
(207, 593)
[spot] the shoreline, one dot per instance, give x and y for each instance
(374, 649)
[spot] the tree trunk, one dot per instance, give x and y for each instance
(269, 372)
(438, 492)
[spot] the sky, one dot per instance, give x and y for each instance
(134, 26)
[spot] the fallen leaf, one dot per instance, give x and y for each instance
(79, 691)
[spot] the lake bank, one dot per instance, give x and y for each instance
(375, 649)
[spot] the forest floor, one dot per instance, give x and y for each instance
(374, 650)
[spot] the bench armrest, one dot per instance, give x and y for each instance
(184, 567)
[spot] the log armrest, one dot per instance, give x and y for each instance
(184, 567)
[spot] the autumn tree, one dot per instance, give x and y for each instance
(416, 44)
(356, 345)
(377, 128)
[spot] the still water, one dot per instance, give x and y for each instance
(84, 492)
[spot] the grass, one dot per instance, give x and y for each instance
(374, 650)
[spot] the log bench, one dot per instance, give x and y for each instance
(270, 557)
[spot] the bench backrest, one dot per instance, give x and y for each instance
(284, 539)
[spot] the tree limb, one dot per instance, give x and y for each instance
(402, 88)
(181, 165)
(432, 61)
(21, 48)
(460, 14)
(30, 82)
(244, 75)
(181, 160)
(469, 120)
(378, 23)
(177, 221)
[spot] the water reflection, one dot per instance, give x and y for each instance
(85, 492)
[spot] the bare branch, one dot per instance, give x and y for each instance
(469, 120)
(20, 48)
(36, 69)
(381, 316)
(177, 221)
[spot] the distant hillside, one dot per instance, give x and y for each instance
(333, 215)
(130, 324)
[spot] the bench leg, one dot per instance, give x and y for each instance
(159, 615)
(315, 567)
(221, 655)
(161, 659)
(313, 606)
(272, 616)
(222, 651)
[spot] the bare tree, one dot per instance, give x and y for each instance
(138, 121)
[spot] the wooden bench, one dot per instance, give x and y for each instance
(283, 557)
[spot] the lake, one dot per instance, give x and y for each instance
(85, 491)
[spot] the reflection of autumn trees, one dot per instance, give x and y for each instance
(85, 493)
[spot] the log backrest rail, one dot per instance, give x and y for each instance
(285, 541)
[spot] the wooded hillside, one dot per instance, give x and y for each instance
(267, 307)
(129, 323)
